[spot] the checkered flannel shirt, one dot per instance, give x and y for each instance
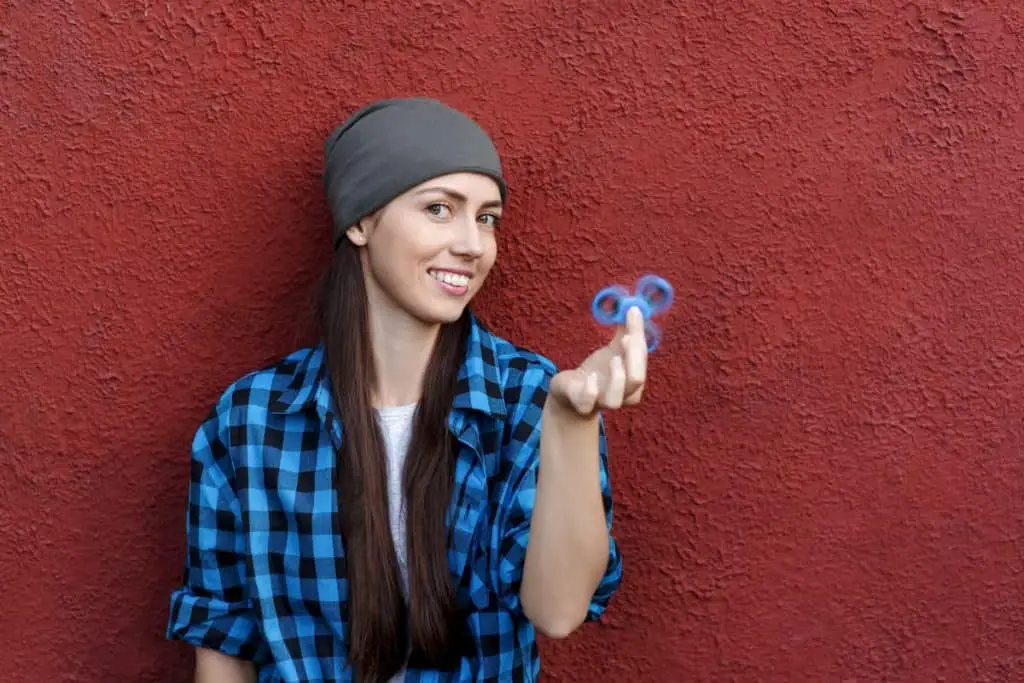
(264, 575)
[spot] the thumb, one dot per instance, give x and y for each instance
(585, 392)
(575, 389)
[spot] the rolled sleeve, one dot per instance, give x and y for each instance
(511, 557)
(211, 608)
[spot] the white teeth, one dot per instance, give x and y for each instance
(450, 278)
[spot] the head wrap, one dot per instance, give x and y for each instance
(393, 145)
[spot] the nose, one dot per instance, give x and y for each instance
(468, 242)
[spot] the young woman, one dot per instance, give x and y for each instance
(413, 497)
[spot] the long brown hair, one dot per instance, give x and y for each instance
(380, 627)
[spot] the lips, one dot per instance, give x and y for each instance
(450, 277)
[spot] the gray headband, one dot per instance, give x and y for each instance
(392, 145)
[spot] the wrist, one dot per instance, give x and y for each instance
(564, 413)
(566, 432)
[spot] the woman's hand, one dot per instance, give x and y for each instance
(610, 377)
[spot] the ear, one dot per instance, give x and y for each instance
(359, 233)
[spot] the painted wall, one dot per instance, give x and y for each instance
(826, 481)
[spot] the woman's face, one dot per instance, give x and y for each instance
(428, 252)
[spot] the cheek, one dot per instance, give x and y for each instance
(393, 269)
(490, 256)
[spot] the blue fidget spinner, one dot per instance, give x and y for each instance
(651, 294)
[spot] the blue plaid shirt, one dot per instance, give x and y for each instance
(264, 574)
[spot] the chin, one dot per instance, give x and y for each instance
(450, 316)
(439, 311)
(438, 315)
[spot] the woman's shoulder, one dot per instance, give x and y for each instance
(516, 363)
(243, 412)
(270, 388)
(524, 377)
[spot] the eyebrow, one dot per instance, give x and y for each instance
(459, 197)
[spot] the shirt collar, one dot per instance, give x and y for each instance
(478, 386)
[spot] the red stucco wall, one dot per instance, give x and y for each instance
(826, 482)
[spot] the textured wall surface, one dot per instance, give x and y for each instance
(826, 482)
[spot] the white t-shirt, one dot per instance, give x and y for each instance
(396, 426)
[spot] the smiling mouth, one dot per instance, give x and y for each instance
(452, 279)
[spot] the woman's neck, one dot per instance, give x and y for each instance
(402, 347)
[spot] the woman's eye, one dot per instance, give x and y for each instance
(438, 209)
(490, 219)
